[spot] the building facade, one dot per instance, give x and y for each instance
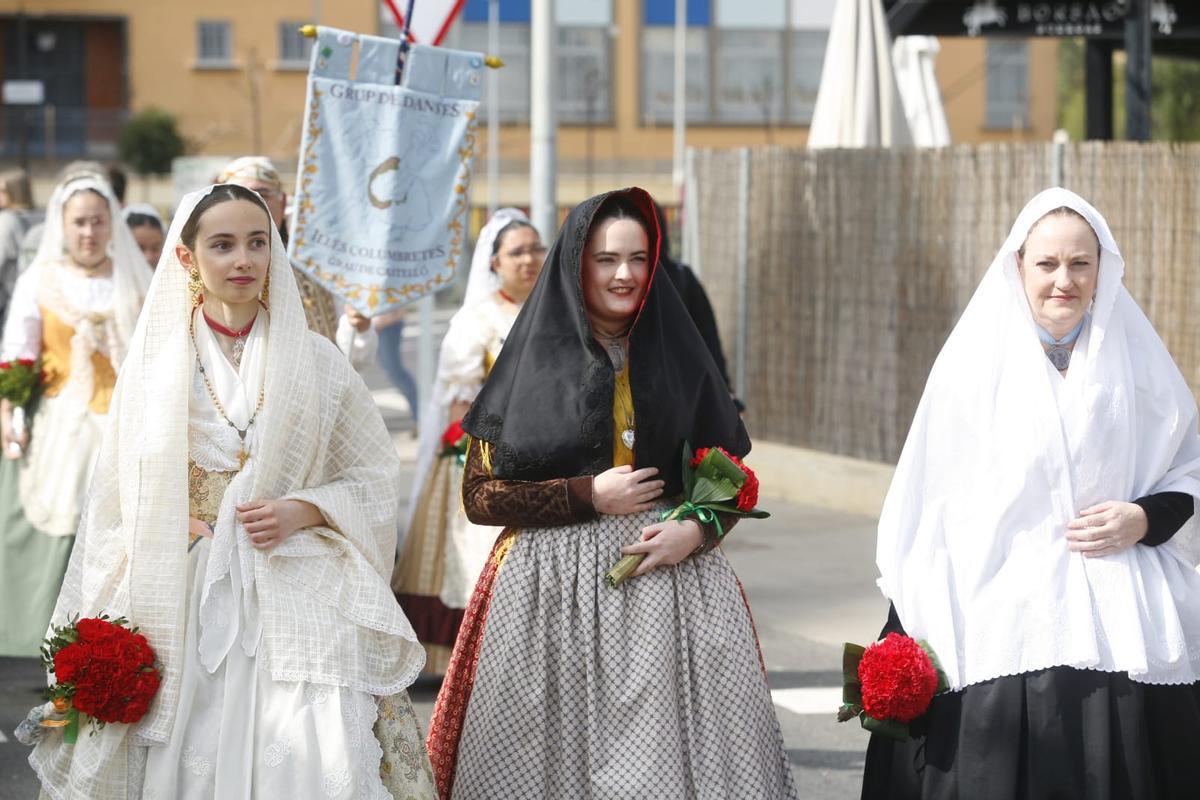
(233, 74)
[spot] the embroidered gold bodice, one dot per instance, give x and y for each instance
(205, 491)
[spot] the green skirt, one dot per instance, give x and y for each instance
(32, 566)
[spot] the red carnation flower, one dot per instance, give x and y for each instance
(25, 362)
(453, 434)
(68, 661)
(898, 679)
(93, 630)
(5, 364)
(747, 496)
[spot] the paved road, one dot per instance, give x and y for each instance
(809, 576)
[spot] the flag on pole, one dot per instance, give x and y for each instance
(431, 18)
(385, 170)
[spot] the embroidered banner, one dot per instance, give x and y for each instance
(385, 170)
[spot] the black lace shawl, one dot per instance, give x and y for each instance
(547, 404)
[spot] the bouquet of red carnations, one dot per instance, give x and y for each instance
(889, 684)
(19, 382)
(713, 481)
(454, 442)
(103, 669)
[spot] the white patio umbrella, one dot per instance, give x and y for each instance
(858, 102)
(913, 57)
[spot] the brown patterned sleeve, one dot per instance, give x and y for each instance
(523, 504)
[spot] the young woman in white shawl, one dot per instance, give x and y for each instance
(74, 308)
(1038, 534)
(443, 552)
(242, 515)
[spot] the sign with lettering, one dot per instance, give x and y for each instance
(384, 176)
(1095, 18)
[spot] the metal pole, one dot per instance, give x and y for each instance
(493, 104)
(743, 266)
(543, 133)
(1137, 71)
(425, 360)
(1099, 90)
(680, 98)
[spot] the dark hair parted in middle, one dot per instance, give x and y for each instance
(221, 193)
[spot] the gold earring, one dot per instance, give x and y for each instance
(195, 286)
(265, 298)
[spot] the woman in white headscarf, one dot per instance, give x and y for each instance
(242, 514)
(148, 230)
(1038, 534)
(443, 552)
(75, 309)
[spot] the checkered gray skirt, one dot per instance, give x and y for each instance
(654, 689)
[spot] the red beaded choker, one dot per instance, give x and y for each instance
(230, 332)
(506, 296)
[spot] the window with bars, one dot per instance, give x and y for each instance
(214, 42)
(1007, 84)
(294, 46)
(583, 82)
(749, 77)
(749, 62)
(658, 75)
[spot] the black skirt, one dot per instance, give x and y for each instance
(1059, 733)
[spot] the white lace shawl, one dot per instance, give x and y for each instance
(1004, 452)
(325, 611)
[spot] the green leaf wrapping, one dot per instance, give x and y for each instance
(717, 465)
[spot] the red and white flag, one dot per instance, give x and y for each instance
(431, 18)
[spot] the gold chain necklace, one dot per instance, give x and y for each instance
(243, 453)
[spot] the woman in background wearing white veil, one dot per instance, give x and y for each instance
(74, 308)
(242, 515)
(1038, 534)
(443, 552)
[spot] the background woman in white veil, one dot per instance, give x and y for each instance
(242, 515)
(1038, 534)
(74, 308)
(443, 552)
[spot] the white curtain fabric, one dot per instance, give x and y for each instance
(317, 608)
(858, 101)
(913, 58)
(1004, 452)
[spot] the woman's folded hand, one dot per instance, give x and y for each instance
(624, 490)
(1107, 529)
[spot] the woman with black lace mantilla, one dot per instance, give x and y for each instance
(560, 686)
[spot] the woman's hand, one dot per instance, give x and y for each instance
(358, 321)
(7, 439)
(665, 544)
(1107, 529)
(270, 522)
(197, 527)
(624, 490)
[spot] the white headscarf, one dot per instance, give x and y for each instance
(482, 283)
(1004, 452)
(316, 608)
(483, 280)
(131, 278)
(145, 209)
